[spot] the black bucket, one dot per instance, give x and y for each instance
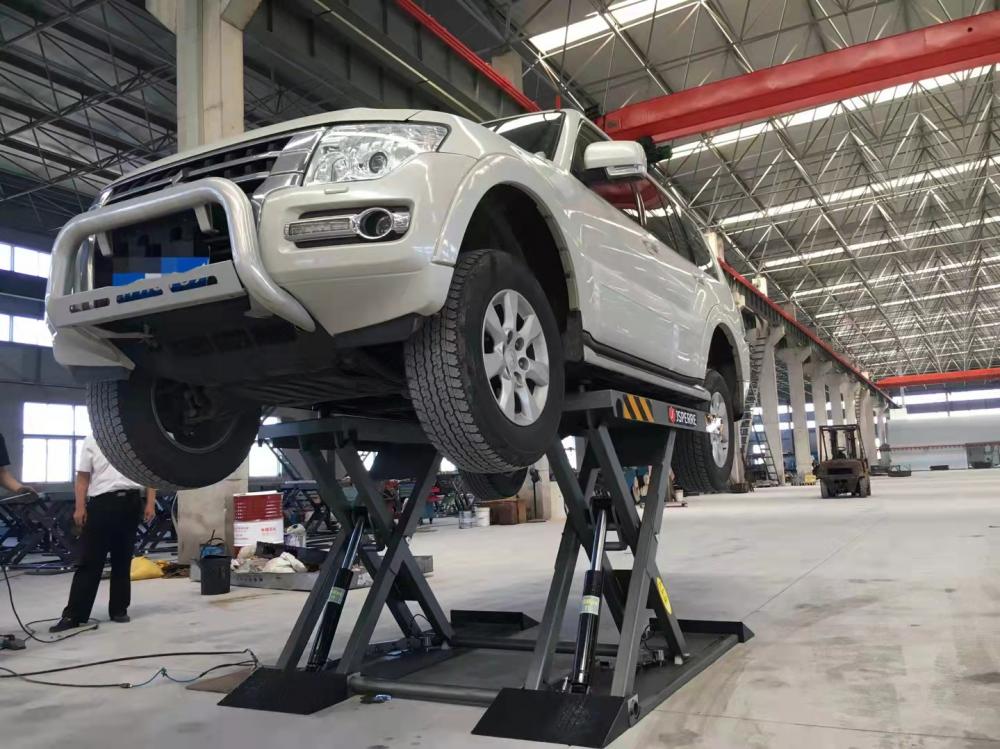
(214, 574)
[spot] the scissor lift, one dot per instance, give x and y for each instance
(587, 700)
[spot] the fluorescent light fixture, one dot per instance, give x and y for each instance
(625, 13)
(859, 192)
(791, 259)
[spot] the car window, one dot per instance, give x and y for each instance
(584, 137)
(699, 245)
(537, 133)
(664, 221)
(620, 194)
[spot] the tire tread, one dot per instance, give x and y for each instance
(104, 407)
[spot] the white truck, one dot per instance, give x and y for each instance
(398, 263)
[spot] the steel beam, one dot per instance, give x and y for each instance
(940, 378)
(813, 81)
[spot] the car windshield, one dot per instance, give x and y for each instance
(537, 133)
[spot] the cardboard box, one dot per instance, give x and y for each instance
(506, 511)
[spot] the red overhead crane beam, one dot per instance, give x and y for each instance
(813, 81)
(940, 378)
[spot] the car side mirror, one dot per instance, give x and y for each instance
(618, 158)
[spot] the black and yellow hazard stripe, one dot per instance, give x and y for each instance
(636, 408)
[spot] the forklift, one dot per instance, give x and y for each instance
(843, 466)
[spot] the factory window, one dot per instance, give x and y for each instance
(24, 260)
(53, 434)
(30, 330)
(263, 462)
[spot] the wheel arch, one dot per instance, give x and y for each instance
(723, 356)
(502, 193)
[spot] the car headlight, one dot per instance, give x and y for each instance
(350, 153)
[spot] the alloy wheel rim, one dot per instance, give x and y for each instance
(202, 439)
(718, 430)
(515, 357)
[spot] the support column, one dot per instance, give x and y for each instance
(818, 373)
(836, 385)
(794, 358)
(881, 432)
(768, 398)
(867, 425)
(510, 66)
(850, 389)
(209, 65)
(209, 107)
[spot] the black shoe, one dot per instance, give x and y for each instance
(121, 618)
(63, 624)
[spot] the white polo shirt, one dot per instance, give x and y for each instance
(104, 477)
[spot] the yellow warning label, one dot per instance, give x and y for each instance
(337, 596)
(590, 605)
(662, 590)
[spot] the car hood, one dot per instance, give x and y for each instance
(359, 114)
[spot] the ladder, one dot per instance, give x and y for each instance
(758, 463)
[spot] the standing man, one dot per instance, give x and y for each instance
(7, 479)
(108, 508)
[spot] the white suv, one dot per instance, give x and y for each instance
(398, 263)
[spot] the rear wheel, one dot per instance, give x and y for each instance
(169, 435)
(704, 460)
(824, 492)
(490, 486)
(485, 373)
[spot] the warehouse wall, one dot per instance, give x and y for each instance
(30, 373)
(954, 429)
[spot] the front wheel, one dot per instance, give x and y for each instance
(703, 461)
(489, 486)
(168, 435)
(485, 374)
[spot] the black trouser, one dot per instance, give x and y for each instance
(112, 520)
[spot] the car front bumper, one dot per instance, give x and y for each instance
(338, 287)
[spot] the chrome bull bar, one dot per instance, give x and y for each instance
(189, 196)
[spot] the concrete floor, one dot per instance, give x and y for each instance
(877, 623)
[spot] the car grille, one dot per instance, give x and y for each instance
(247, 164)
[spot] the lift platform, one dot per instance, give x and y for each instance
(582, 691)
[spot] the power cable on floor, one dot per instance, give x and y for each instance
(92, 624)
(162, 671)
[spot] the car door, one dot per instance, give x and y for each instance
(676, 289)
(622, 314)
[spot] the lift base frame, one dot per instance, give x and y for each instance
(620, 429)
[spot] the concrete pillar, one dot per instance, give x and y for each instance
(209, 37)
(849, 389)
(538, 494)
(794, 358)
(510, 66)
(818, 372)
(206, 512)
(836, 385)
(881, 432)
(867, 424)
(209, 65)
(768, 398)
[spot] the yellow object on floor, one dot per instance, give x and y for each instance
(144, 568)
(809, 479)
